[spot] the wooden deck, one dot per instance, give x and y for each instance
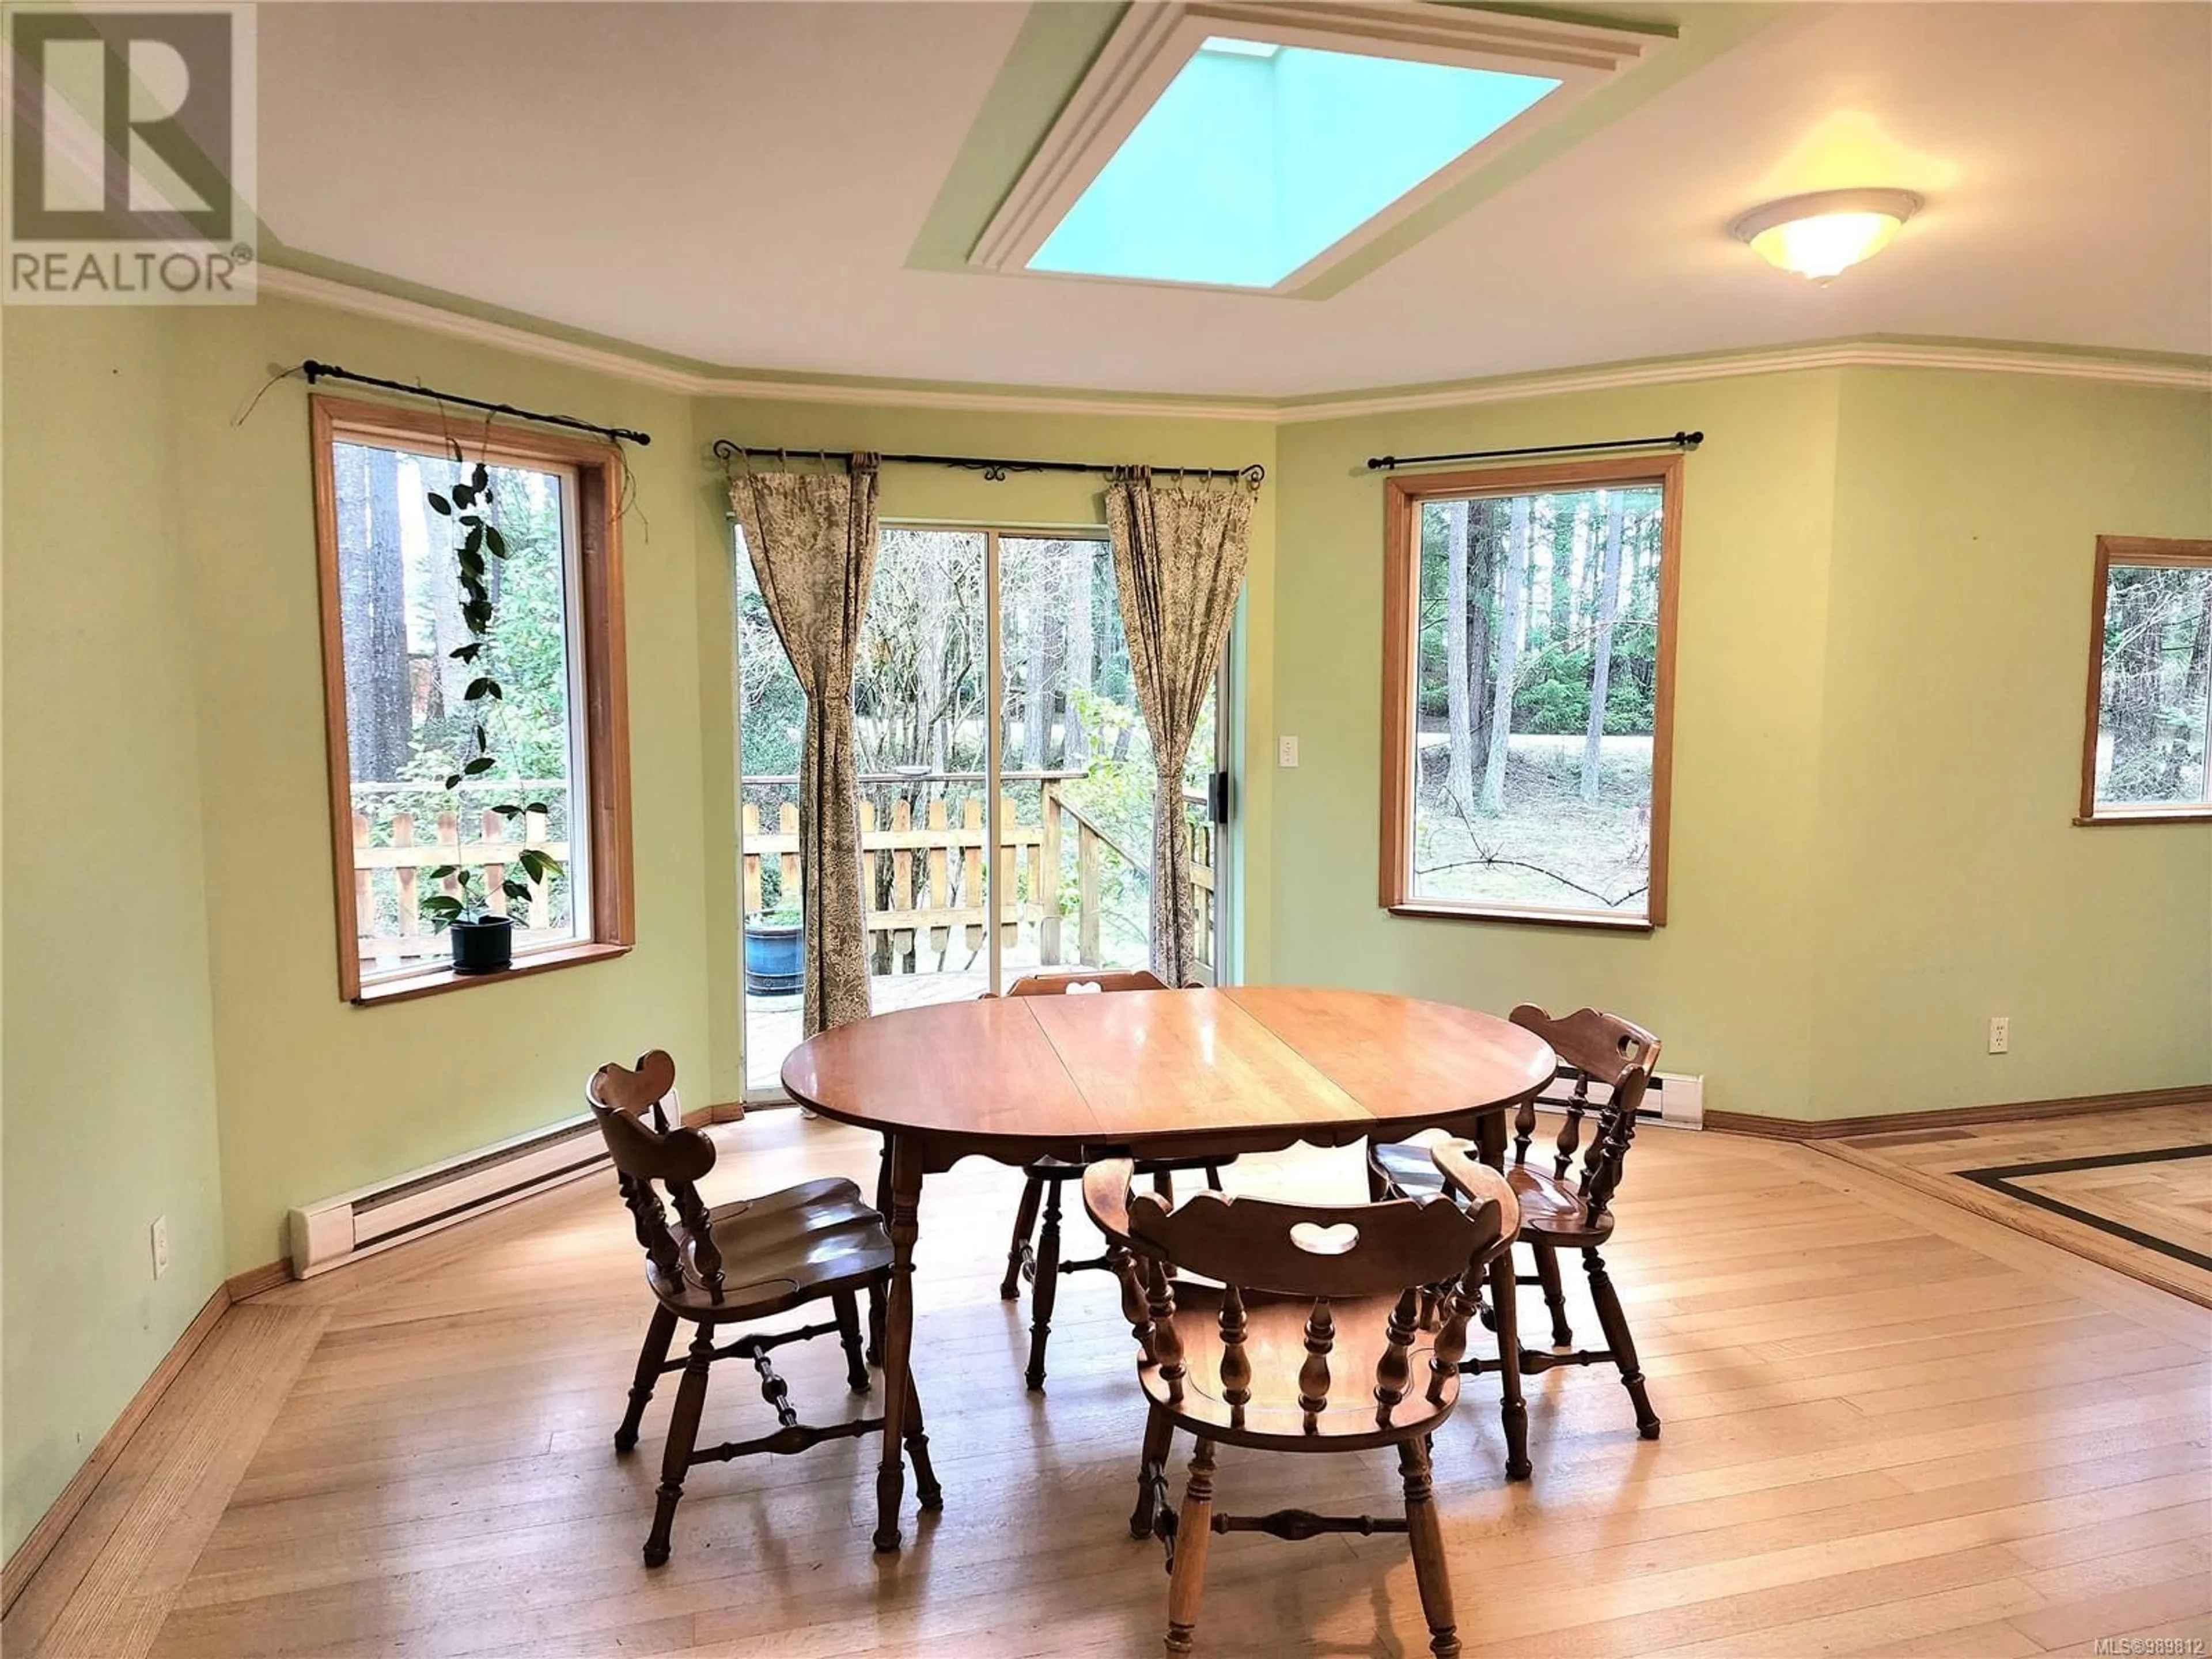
(1892, 1427)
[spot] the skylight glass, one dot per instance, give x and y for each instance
(1257, 157)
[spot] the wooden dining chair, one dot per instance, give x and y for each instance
(1040, 1261)
(733, 1264)
(1557, 1212)
(1307, 1342)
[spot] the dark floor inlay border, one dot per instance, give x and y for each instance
(1999, 1179)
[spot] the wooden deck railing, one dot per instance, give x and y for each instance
(921, 874)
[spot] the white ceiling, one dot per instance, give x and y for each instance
(741, 185)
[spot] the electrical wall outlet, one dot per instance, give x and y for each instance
(160, 1240)
(1286, 752)
(2000, 1034)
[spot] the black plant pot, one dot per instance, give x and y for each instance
(483, 947)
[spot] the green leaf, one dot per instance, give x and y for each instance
(483, 742)
(438, 504)
(508, 812)
(475, 543)
(517, 891)
(476, 614)
(477, 688)
(479, 478)
(471, 518)
(468, 653)
(453, 780)
(442, 904)
(439, 873)
(538, 806)
(463, 495)
(495, 541)
(480, 764)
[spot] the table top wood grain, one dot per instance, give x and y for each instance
(1005, 1076)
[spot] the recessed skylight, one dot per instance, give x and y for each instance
(1257, 157)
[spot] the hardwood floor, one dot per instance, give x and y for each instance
(2130, 1190)
(1890, 1427)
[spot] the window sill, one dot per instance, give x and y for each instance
(2161, 814)
(1533, 917)
(538, 962)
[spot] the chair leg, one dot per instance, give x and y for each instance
(1024, 1224)
(1194, 1528)
(1044, 1291)
(1622, 1344)
(683, 1436)
(1555, 1295)
(849, 1335)
(1213, 1177)
(650, 1358)
(1512, 1411)
(877, 1294)
(932, 1495)
(1151, 1471)
(1427, 1538)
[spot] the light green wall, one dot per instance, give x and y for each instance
(942, 494)
(1726, 981)
(318, 1095)
(109, 1069)
(1950, 881)
(1878, 715)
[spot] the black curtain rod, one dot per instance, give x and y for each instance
(1685, 441)
(996, 468)
(315, 370)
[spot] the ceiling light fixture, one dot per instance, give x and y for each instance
(1826, 232)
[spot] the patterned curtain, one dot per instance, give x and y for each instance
(812, 538)
(1179, 557)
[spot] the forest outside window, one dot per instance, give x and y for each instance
(1528, 651)
(398, 671)
(2145, 756)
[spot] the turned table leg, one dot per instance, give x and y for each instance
(905, 1217)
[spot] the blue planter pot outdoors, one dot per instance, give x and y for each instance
(775, 964)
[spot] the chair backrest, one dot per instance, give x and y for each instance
(1406, 1249)
(637, 1113)
(1592, 1048)
(1109, 979)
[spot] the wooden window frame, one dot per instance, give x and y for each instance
(2173, 553)
(1403, 497)
(606, 711)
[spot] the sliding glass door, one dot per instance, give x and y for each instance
(1007, 780)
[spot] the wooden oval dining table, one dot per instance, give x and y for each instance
(1155, 1073)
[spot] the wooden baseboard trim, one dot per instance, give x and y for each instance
(244, 1287)
(31, 1554)
(1957, 1117)
(728, 1111)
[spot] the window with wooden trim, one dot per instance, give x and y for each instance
(417, 814)
(2145, 753)
(1529, 618)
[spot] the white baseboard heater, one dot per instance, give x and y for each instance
(1676, 1102)
(354, 1225)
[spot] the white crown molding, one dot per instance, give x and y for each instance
(1849, 354)
(688, 383)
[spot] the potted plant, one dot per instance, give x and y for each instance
(775, 961)
(483, 939)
